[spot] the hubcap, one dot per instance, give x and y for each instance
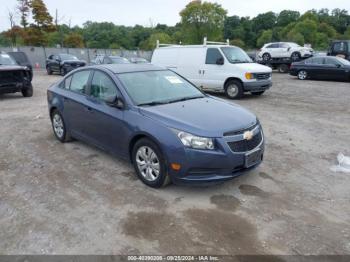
(266, 57)
(232, 90)
(148, 163)
(302, 75)
(58, 125)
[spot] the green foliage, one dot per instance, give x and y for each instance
(150, 43)
(286, 17)
(41, 15)
(264, 21)
(202, 19)
(265, 37)
(73, 40)
(237, 42)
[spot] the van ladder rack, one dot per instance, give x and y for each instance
(160, 45)
(206, 42)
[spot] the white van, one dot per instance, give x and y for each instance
(216, 67)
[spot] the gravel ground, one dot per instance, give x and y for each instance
(75, 199)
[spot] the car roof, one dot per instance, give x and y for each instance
(129, 68)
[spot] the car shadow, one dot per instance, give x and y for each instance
(11, 96)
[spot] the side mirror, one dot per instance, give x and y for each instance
(115, 102)
(338, 65)
(220, 61)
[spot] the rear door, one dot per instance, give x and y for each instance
(315, 67)
(75, 103)
(272, 49)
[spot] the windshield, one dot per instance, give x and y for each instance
(5, 59)
(119, 60)
(236, 55)
(68, 57)
(293, 45)
(343, 61)
(158, 87)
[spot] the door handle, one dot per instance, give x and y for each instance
(200, 72)
(89, 109)
(65, 99)
(203, 72)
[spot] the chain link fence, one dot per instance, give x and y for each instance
(38, 55)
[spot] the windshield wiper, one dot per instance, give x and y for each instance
(185, 99)
(152, 103)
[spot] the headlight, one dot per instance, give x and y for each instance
(195, 142)
(249, 76)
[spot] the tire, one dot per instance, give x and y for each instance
(296, 56)
(48, 70)
(147, 154)
(266, 57)
(28, 92)
(258, 93)
(63, 71)
(302, 74)
(234, 89)
(63, 135)
(283, 68)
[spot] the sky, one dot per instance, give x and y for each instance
(148, 12)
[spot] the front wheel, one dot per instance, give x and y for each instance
(302, 75)
(296, 56)
(266, 57)
(48, 70)
(149, 164)
(63, 71)
(28, 92)
(234, 89)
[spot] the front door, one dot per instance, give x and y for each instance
(212, 72)
(105, 124)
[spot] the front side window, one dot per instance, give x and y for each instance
(102, 87)
(236, 55)
(213, 54)
(152, 87)
(5, 59)
(79, 81)
(331, 61)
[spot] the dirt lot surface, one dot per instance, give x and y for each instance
(75, 199)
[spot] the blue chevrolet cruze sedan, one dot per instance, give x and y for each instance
(163, 124)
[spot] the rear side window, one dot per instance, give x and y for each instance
(213, 54)
(79, 81)
(102, 87)
(315, 61)
(272, 46)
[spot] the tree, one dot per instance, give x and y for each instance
(308, 29)
(237, 42)
(264, 21)
(41, 15)
(150, 43)
(201, 20)
(24, 9)
(286, 17)
(265, 37)
(74, 40)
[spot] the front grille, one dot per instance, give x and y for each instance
(246, 145)
(240, 131)
(263, 76)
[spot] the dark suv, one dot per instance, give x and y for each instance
(63, 63)
(340, 48)
(13, 77)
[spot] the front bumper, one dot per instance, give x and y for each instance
(260, 85)
(201, 167)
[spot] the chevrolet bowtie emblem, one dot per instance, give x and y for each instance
(248, 135)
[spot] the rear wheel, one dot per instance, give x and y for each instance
(149, 164)
(28, 92)
(302, 75)
(59, 127)
(234, 89)
(295, 56)
(283, 68)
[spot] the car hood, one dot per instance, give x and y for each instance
(208, 117)
(253, 68)
(12, 67)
